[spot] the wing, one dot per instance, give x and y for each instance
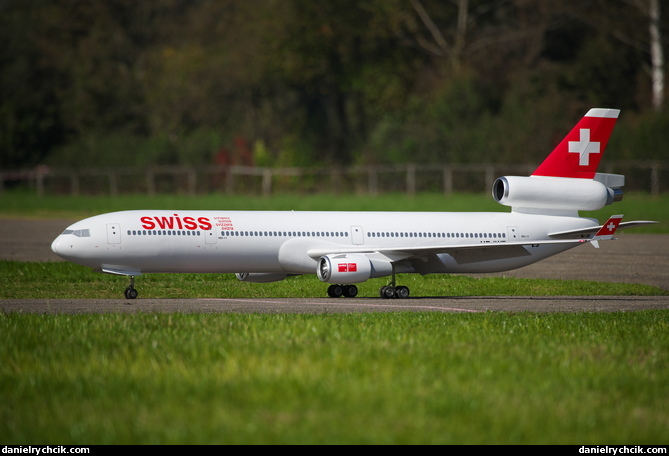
(473, 253)
(462, 253)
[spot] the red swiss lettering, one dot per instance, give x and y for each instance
(204, 222)
(178, 221)
(165, 222)
(187, 223)
(147, 223)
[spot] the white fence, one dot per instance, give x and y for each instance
(648, 176)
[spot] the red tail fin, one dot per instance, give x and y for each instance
(579, 153)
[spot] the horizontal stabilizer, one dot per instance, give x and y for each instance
(634, 224)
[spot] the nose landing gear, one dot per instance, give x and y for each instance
(130, 292)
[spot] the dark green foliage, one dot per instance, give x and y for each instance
(294, 83)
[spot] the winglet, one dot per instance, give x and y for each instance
(607, 230)
(579, 153)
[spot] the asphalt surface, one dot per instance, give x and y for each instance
(633, 258)
(342, 305)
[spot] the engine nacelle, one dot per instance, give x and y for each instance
(553, 193)
(351, 268)
(260, 277)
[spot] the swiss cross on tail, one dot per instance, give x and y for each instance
(579, 153)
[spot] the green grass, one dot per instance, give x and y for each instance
(388, 378)
(66, 280)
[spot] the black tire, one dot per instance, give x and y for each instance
(335, 291)
(402, 292)
(387, 292)
(350, 291)
(130, 293)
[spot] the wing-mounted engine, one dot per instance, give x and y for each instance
(351, 268)
(260, 277)
(562, 195)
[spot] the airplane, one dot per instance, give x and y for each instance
(348, 248)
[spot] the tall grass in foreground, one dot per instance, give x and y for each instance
(388, 378)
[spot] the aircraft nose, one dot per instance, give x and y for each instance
(55, 246)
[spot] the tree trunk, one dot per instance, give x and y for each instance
(656, 55)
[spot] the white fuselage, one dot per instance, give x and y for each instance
(150, 241)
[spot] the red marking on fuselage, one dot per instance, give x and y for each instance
(175, 222)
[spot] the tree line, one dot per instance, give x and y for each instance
(314, 82)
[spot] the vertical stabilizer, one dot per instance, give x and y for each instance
(580, 152)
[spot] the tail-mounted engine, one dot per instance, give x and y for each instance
(351, 268)
(558, 193)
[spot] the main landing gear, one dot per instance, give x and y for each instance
(337, 291)
(130, 292)
(391, 291)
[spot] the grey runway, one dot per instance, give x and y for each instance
(342, 305)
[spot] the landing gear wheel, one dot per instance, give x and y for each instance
(402, 292)
(350, 291)
(335, 291)
(387, 292)
(391, 292)
(130, 293)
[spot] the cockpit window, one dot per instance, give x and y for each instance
(78, 233)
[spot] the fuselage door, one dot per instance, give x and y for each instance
(113, 233)
(357, 235)
(210, 236)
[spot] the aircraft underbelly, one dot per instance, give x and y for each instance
(492, 262)
(191, 257)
